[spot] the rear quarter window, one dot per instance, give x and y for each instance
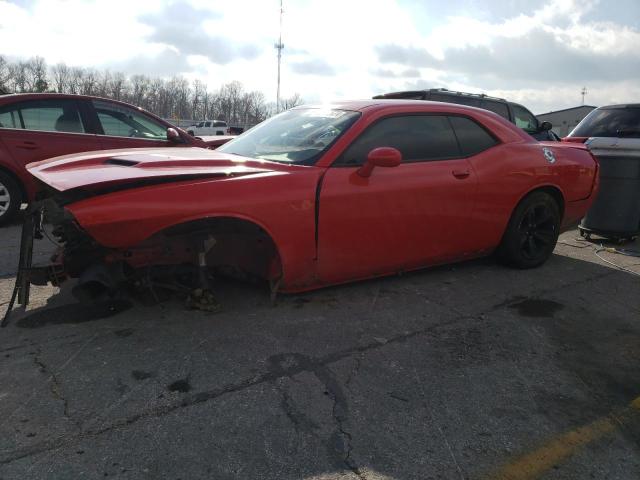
(472, 137)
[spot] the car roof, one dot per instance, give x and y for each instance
(377, 104)
(17, 97)
(415, 105)
(622, 105)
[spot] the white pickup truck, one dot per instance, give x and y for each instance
(208, 127)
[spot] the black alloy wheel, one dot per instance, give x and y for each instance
(532, 232)
(537, 231)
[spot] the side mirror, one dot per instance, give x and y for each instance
(380, 157)
(545, 126)
(173, 135)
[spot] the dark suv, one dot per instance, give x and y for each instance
(515, 113)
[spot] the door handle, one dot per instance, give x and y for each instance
(461, 173)
(27, 146)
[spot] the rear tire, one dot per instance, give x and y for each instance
(532, 232)
(10, 198)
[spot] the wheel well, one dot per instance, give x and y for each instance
(551, 190)
(555, 193)
(241, 248)
(14, 177)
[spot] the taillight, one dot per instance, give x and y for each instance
(575, 139)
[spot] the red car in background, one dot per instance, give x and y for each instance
(316, 196)
(38, 126)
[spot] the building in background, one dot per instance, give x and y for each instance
(564, 121)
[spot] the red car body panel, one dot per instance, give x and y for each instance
(329, 224)
(19, 147)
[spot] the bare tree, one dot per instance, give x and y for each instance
(293, 101)
(76, 79)
(117, 86)
(89, 82)
(61, 75)
(174, 98)
(35, 70)
(5, 73)
(18, 77)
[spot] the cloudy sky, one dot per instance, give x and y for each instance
(538, 53)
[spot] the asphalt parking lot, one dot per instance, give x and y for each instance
(471, 371)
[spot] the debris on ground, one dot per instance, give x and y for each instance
(202, 299)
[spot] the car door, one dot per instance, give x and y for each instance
(399, 218)
(39, 129)
(120, 126)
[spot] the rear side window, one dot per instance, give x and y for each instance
(472, 137)
(219, 124)
(43, 115)
(496, 107)
(10, 119)
(418, 137)
(609, 122)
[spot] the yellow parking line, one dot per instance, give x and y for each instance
(531, 465)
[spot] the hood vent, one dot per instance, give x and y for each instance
(122, 162)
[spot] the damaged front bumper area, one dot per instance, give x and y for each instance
(76, 250)
(183, 259)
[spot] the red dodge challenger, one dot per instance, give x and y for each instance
(315, 196)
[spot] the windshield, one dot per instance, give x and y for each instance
(295, 136)
(609, 122)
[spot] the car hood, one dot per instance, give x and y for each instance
(144, 166)
(214, 141)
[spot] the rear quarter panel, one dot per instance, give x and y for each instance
(508, 173)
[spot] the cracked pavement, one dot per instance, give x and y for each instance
(448, 373)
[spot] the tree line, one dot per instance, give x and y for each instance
(171, 98)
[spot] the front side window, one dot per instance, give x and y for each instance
(295, 136)
(417, 137)
(472, 137)
(524, 119)
(43, 115)
(121, 121)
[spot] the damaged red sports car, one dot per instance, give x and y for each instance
(312, 197)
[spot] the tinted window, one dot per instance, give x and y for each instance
(472, 137)
(524, 119)
(418, 137)
(207, 124)
(44, 115)
(496, 107)
(219, 124)
(608, 122)
(10, 119)
(120, 121)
